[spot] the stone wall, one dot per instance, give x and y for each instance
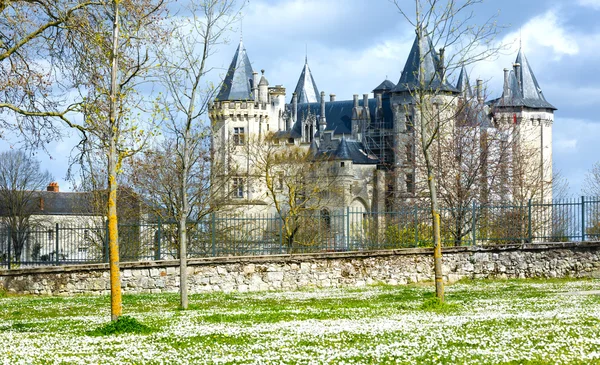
(288, 272)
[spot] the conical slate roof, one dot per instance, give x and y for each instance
(421, 69)
(306, 89)
(463, 85)
(238, 81)
(523, 88)
(385, 86)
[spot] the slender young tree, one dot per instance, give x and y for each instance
(446, 25)
(183, 73)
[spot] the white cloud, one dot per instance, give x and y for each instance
(594, 4)
(545, 40)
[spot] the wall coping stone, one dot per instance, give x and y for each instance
(296, 258)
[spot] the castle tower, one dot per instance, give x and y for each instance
(526, 112)
(422, 94)
(245, 109)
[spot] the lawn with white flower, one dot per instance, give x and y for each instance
(485, 322)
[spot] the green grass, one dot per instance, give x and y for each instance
(480, 322)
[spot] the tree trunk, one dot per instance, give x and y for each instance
(183, 212)
(116, 309)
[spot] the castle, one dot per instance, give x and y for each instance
(371, 143)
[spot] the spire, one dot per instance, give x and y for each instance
(521, 86)
(238, 80)
(463, 85)
(422, 68)
(306, 89)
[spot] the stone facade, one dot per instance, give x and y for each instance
(291, 272)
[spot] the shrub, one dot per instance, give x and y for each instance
(124, 324)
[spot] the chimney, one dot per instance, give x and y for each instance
(255, 85)
(480, 91)
(294, 107)
(322, 122)
(517, 67)
(331, 97)
(379, 101)
(53, 187)
(442, 66)
(506, 87)
(366, 106)
(355, 96)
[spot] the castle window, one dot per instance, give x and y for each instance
(342, 164)
(291, 140)
(279, 185)
(237, 187)
(409, 123)
(410, 183)
(410, 156)
(50, 234)
(238, 136)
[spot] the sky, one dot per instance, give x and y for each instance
(353, 45)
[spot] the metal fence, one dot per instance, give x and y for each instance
(321, 231)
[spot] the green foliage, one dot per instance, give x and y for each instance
(511, 225)
(594, 231)
(124, 324)
(435, 304)
(409, 236)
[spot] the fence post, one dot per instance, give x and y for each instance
(347, 228)
(583, 218)
(280, 235)
(157, 255)
(213, 228)
(473, 225)
(529, 231)
(57, 245)
(9, 241)
(416, 228)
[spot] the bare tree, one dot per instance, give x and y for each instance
(184, 66)
(444, 25)
(21, 179)
(293, 180)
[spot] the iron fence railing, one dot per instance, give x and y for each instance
(321, 231)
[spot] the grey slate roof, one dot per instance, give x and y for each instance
(306, 88)
(338, 114)
(463, 85)
(238, 81)
(523, 89)
(385, 86)
(57, 203)
(350, 151)
(421, 69)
